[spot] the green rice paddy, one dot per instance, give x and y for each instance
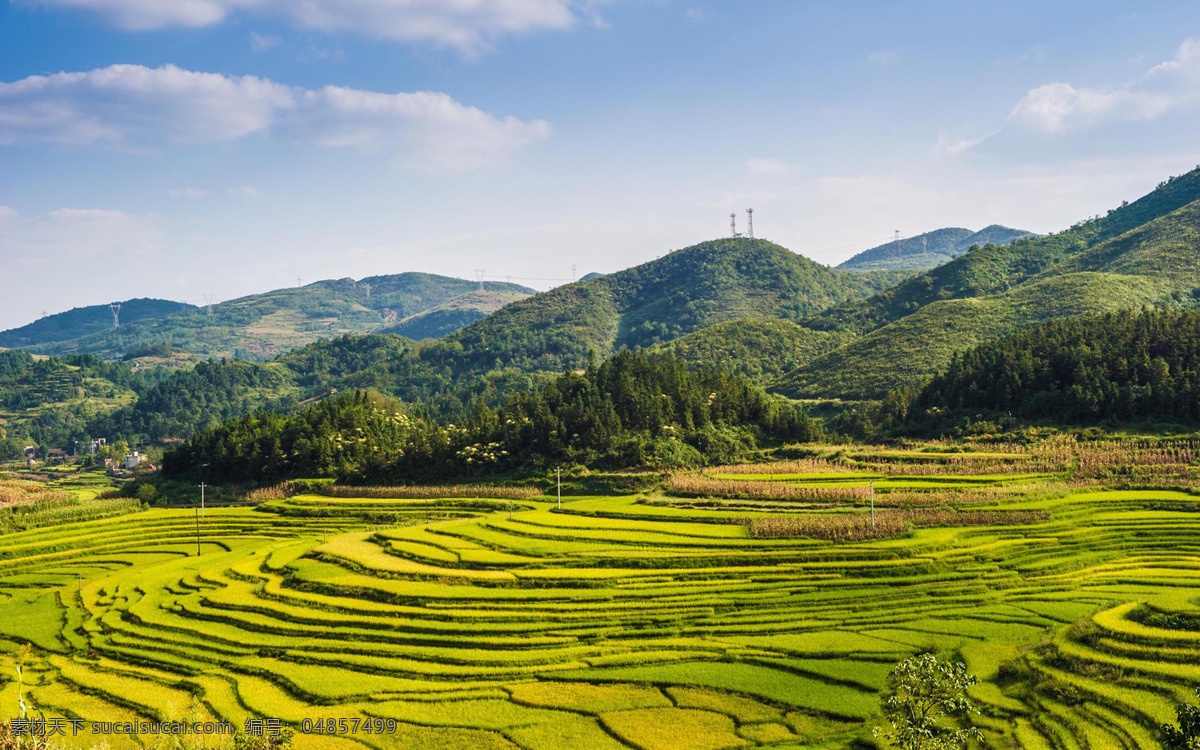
(613, 622)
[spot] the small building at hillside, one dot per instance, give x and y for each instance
(97, 444)
(132, 460)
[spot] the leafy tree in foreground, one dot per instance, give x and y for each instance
(1186, 736)
(926, 697)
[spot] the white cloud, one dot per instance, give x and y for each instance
(246, 191)
(134, 107)
(187, 193)
(467, 25)
(1062, 107)
(696, 15)
(131, 104)
(263, 42)
(883, 57)
(7, 213)
(770, 166)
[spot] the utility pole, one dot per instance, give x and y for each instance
(299, 281)
(197, 534)
(202, 486)
(479, 275)
(558, 476)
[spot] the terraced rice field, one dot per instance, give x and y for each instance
(612, 622)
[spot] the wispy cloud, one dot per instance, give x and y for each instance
(883, 57)
(467, 25)
(770, 166)
(187, 193)
(263, 42)
(246, 191)
(130, 106)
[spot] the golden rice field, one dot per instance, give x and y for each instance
(638, 621)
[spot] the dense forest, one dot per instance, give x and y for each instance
(636, 409)
(1124, 366)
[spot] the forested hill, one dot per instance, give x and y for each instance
(261, 326)
(992, 268)
(82, 321)
(1124, 366)
(658, 301)
(929, 249)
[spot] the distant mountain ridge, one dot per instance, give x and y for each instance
(81, 321)
(450, 316)
(262, 326)
(930, 249)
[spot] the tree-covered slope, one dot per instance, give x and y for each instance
(760, 349)
(919, 345)
(82, 321)
(992, 269)
(261, 326)
(450, 316)
(1167, 248)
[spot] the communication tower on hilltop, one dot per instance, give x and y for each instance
(208, 300)
(733, 232)
(479, 276)
(750, 223)
(896, 244)
(115, 308)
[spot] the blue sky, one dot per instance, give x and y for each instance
(177, 148)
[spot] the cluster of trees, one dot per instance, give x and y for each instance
(1116, 367)
(635, 409)
(1130, 365)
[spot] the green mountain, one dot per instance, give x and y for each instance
(763, 350)
(82, 321)
(1157, 262)
(992, 269)
(930, 249)
(659, 301)
(449, 316)
(261, 326)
